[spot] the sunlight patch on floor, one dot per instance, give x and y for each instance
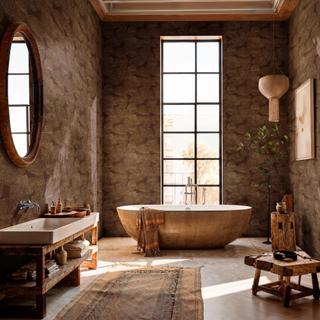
(229, 288)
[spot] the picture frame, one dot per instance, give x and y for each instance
(304, 120)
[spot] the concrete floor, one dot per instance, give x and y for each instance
(226, 281)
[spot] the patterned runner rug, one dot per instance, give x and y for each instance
(140, 294)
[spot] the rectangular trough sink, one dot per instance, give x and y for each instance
(45, 230)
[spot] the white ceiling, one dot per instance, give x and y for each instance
(187, 7)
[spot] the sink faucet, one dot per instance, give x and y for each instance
(189, 184)
(28, 204)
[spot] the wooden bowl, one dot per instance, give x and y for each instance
(287, 254)
(80, 214)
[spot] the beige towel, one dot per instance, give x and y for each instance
(77, 245)
(148, 223)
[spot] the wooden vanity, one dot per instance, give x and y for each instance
(68, 274)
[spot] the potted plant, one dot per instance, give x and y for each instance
(269, 144)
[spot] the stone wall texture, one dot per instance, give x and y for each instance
(131, 112)
(304, 63)
(68, 34)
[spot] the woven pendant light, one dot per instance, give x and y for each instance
(273, 87)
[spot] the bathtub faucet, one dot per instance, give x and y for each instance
(28, 204)
(204, 195)
(186, 193)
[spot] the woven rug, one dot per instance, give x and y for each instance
(140, 294)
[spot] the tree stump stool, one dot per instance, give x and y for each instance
(283, 234)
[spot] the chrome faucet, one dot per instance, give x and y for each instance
(28, 204)
(204, 195)
(186, 193)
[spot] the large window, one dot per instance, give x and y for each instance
(191, 119)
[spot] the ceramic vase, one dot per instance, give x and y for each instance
(61, 256)
(281, 207)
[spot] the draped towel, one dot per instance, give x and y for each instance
(148, 223)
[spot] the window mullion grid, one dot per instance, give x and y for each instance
(161, 127)
(195, 121)
(220, 126)
(195, 125)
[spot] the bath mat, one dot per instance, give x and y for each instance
(140, 293)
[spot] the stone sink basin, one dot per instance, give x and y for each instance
(46, 230)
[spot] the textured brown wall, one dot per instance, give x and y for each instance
(68, 34)
(304, 63)
(131, 111)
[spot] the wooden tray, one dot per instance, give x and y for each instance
(72, 214)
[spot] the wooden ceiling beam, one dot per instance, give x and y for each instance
(283, 12)
(98, 7)
(285, 8)
(175, 1)
(194, 17)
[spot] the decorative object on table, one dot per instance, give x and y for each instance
(59, 207)
(86, 206)
(53, 208)
(304, 98)
(269, 144)
(285, 254)
(287, 198)
(155, 293)
(283, 287)
(61, 256)
(281, 207)
(50, 267)
(283, 233)
(67, 209)
(148, 223)
(19, 275)
(77, 247)
(273, 87)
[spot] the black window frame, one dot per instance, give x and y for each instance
(195, 132)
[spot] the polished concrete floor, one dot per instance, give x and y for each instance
(226, 281)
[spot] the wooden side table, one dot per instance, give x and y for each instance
(285, 270)
(283, 233)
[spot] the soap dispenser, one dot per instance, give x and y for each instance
(53, 208)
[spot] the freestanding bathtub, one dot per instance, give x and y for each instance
(193, 227)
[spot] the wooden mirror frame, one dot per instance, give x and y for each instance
(36, 131)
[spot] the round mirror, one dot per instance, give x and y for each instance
(21, 94)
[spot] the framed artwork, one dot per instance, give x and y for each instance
(304, 98)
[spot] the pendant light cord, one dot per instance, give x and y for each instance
(273, 41)
(273, 61)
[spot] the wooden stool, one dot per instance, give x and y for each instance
(283, 234)
(282, 288)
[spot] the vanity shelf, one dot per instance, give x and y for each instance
(68, 274)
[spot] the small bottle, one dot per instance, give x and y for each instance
(53, 208)
(59, 206)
